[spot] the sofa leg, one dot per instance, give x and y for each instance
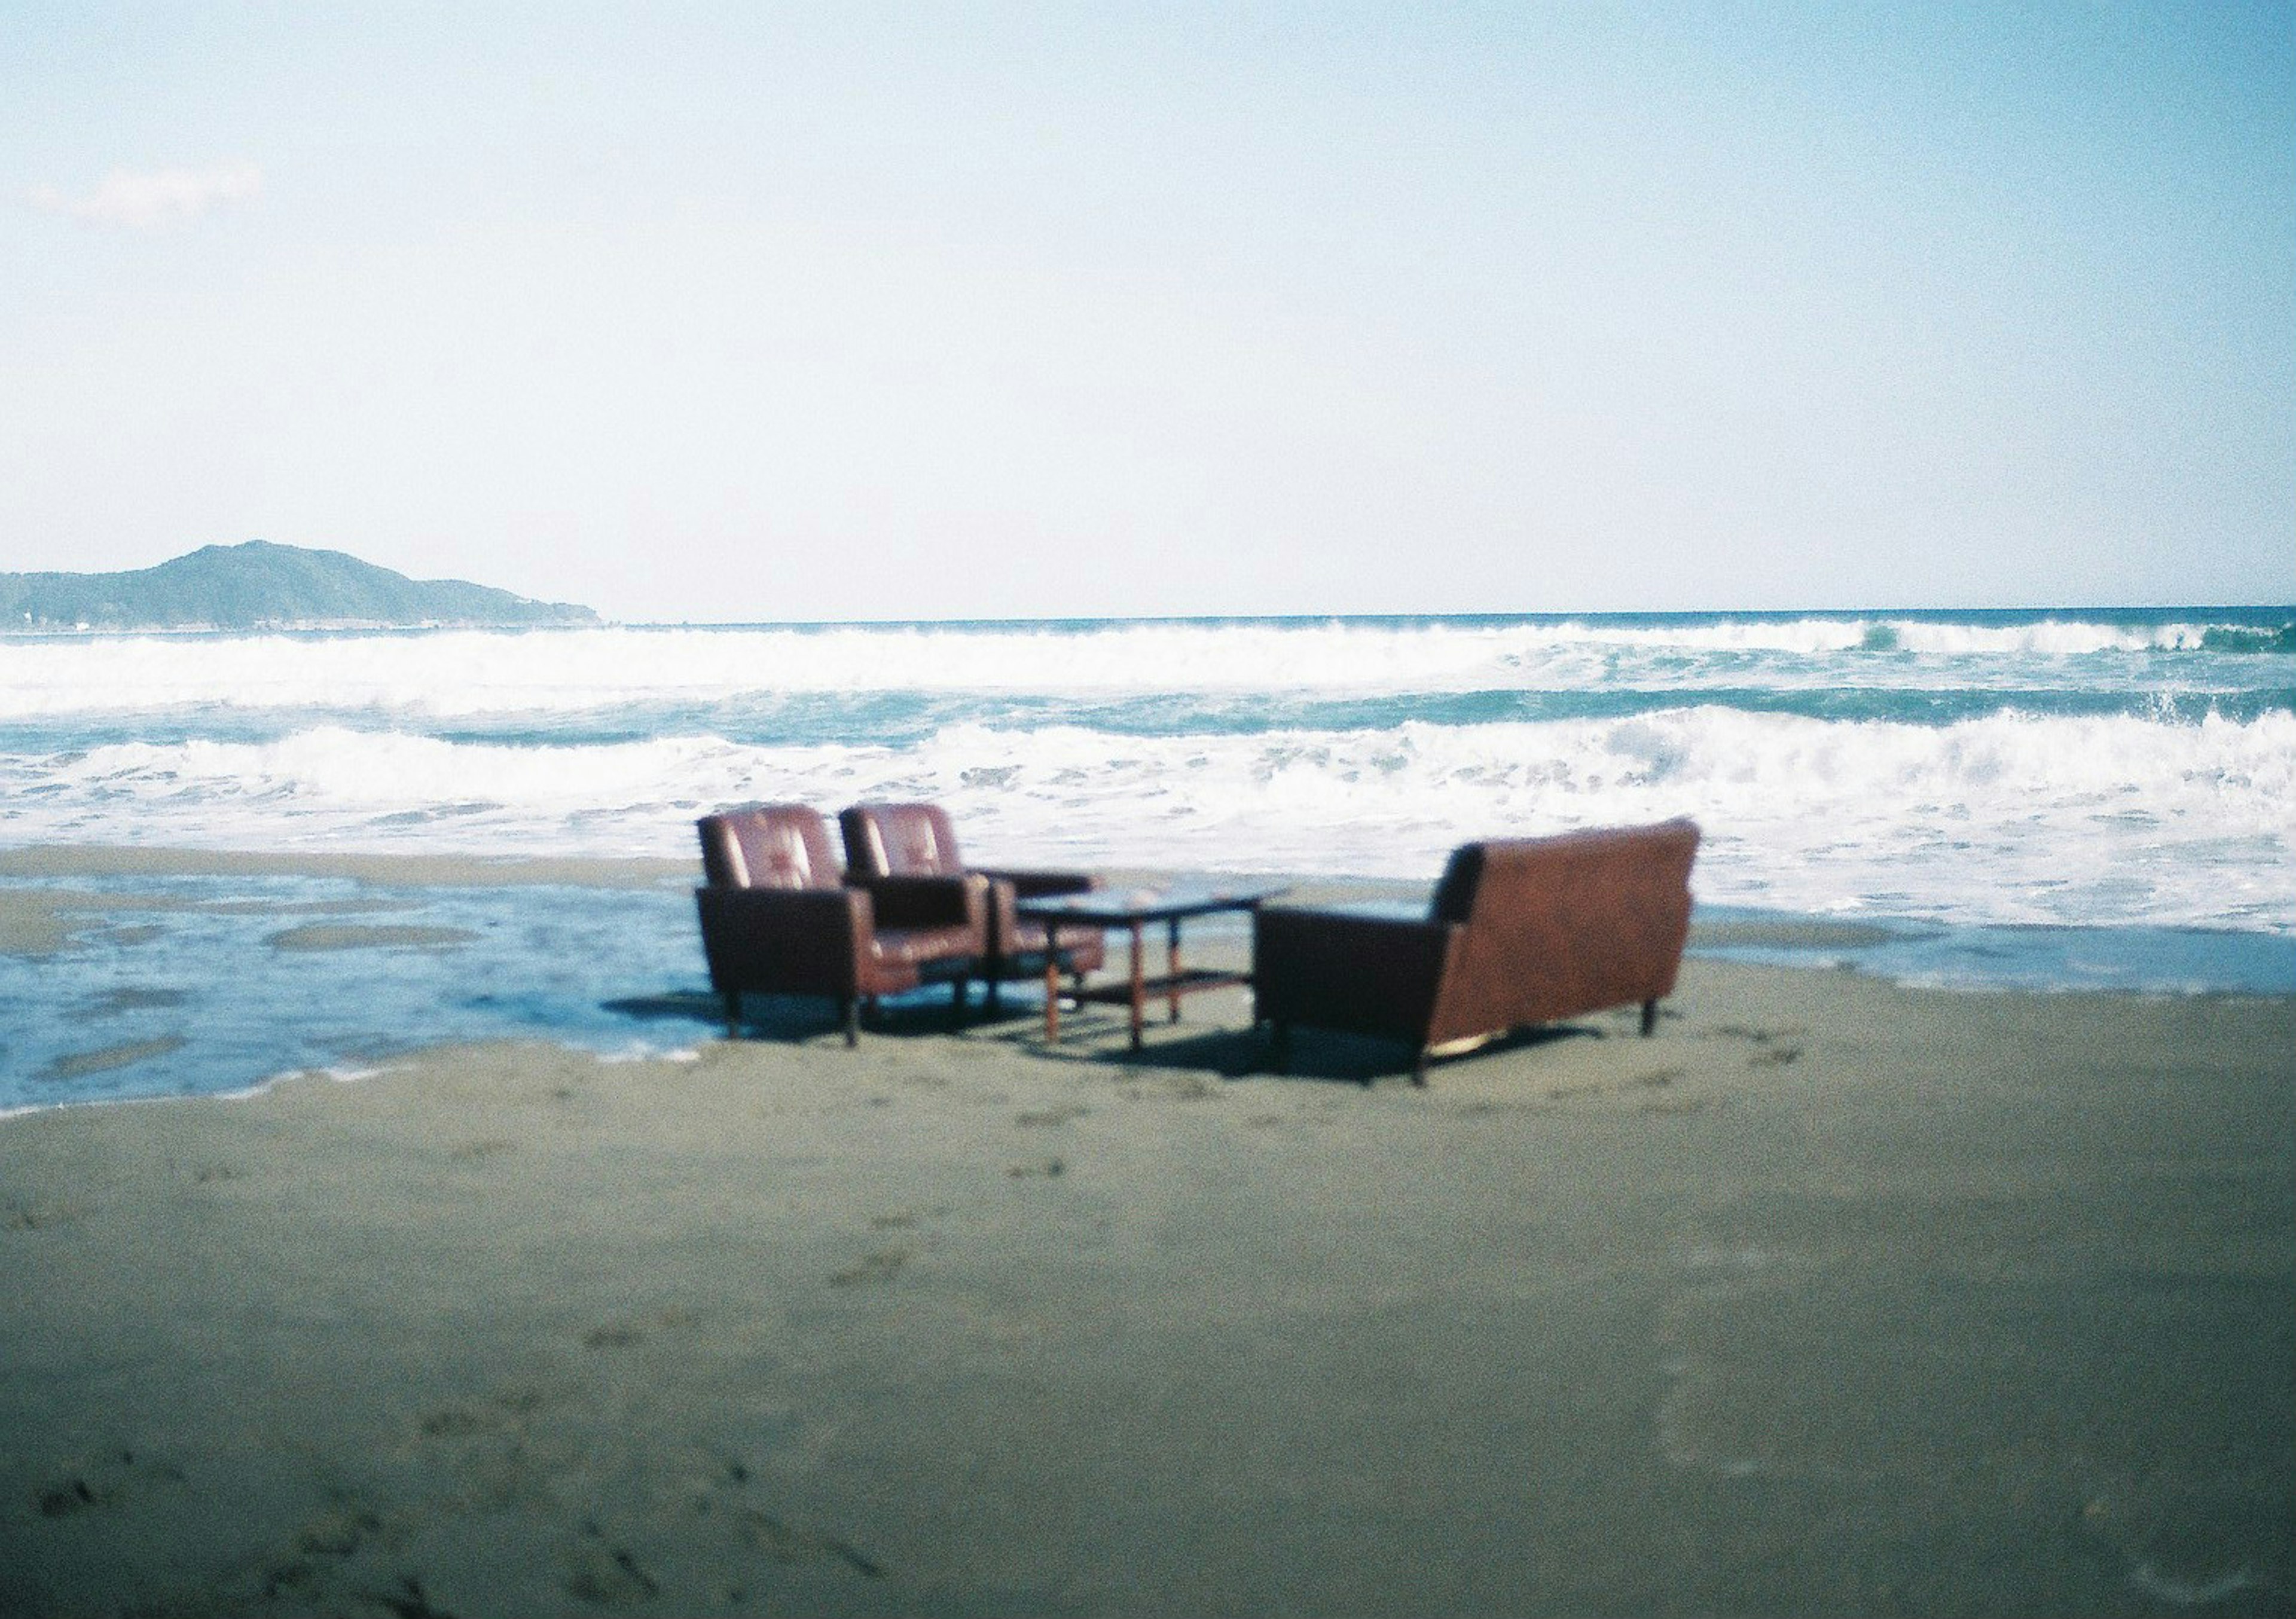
(733, 1014)
(1418, 1069)
(1650, 1018)
(848, 1013)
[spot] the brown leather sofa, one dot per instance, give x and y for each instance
(778, 918)
(1521, 931)
(885, 841)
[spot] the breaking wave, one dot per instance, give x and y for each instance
(2005, 818)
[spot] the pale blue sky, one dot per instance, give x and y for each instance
(750, 312)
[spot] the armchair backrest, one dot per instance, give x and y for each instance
(768, 845)
(900, 840)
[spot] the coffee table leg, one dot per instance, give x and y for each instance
(1052, 983)
(1139, 984)
(1172, 962)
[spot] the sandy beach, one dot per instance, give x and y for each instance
(1831, 1297)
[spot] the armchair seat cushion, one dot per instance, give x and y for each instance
(1082, 948)
(889, 845)
(917, 947)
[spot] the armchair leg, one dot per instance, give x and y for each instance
(733, 998)
(995, 994)
(1418, 1069)
(1650, 1018)
(957, 1003)
(849, 1012)
(1279, 1050)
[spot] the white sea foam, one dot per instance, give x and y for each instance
(453, 674)
(2005, 818)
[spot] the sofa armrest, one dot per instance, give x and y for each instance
(959, 901)
(786, 939)
(1371, 975)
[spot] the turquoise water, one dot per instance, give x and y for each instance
(191, 991)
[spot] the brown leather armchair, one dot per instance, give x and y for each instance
(886, 841)
(777, 918)
(1521, 931)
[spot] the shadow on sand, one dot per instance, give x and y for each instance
(1091, 1034)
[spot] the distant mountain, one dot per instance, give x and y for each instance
(262, 586)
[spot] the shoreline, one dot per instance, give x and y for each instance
(1831, 1295)
(129, 972)
(34, 899)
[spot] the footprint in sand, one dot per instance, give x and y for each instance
(779, 1542)
(881, 1266)
(15, 1216)
(408, 1601)
(336, 1536)
(1051, 1116)
(455, 1422)
(102, 1481)
(606, 1575)
(1043, 1169)
(338, 1532)
(621, 1335)
(504, 1411)
(771, 1537)
(1773, 1048)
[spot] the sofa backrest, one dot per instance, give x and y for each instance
(900, 840)
(1554, 926)
(768, 845)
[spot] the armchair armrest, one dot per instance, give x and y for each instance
(959, 901)
(1372, 974)
(795, 940)
(1007, 888)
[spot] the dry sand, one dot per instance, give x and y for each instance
(1830, 1297)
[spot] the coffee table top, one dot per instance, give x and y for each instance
(1118, 906)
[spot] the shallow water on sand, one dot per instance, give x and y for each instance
(207, 983)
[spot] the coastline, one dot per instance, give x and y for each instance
(127, 973)
(1834, 1293)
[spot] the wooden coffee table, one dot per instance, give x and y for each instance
(1133, 910)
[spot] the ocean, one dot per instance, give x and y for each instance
(2060, 799)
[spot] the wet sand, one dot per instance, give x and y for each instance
(1829, 1297)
